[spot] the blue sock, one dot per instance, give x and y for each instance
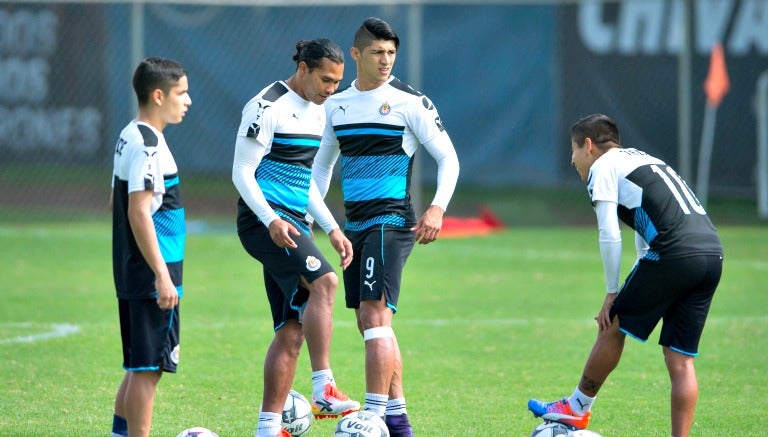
(119, 426)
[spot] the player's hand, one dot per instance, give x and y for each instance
(167, 296)
(281, 231)
(604, 317)
(342, 245)
(428, 227)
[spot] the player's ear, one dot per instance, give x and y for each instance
(157, 96)
(354, 53)
(302, 67)
(588, 144)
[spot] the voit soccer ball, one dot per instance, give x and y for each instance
(551, 429)
(197, 431)
(297, 414)
(361, 424)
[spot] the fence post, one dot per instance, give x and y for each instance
(762, 145)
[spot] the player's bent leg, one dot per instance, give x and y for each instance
(280, 365)
(317, 319)
(684, 391)
(603, 358)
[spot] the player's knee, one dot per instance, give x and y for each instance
(326, 284)
(378, 332)
(290, 337)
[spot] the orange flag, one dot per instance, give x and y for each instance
(716, 85)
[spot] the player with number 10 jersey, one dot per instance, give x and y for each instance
(654, 201)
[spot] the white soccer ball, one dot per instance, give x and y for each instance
(551, 429)
(297, 414)
(555, 429)
(361, 424)
(197, 431)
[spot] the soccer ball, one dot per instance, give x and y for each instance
(555, 429)
(297, 414)
(361, 424)
(197, 431)
(551, 429)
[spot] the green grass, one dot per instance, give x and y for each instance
(485, 323)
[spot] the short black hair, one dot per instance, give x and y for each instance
(374, 29)
(312, 52)
(600, 128)
(156, 73)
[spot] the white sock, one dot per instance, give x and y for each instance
(376, 403)
(269, 424)
(319, 379)
(396, 407)
(580, 403)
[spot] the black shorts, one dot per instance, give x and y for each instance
(150, 336)
(283, 268)
(380, 253)
(678, 291)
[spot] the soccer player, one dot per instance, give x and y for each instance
(148, 235)
(679, 264)
(278, 138)
(377, 124)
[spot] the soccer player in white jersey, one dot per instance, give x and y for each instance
(679, 264)
(148, 235)
(278, 138)
(376, 125)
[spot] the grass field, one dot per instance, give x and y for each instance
(485, 323)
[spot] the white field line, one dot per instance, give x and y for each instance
(532, 321)
(47, 331)
(39, 331)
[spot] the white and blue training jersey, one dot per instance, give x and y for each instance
(377, 132)
(143, 161)
(654, 201)
(290, 128)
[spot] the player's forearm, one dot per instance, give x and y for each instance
(319, 210)
(146, 239)
(248, 154)
(443, 152)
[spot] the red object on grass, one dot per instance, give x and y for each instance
(485, 223)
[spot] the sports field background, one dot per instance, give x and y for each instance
(485, 323)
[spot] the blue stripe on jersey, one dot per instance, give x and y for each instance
(374, 177)
(171, 182)
(284, 184)
(313, 141)
(380, 220)
(171, 233)
(384, 130)
(644, 225)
